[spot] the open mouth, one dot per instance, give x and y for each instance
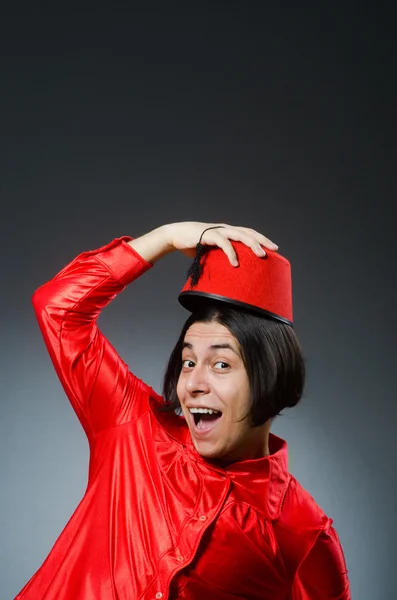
(205, 418)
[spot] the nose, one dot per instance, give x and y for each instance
(197, 381)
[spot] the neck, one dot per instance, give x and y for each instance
(259, 448)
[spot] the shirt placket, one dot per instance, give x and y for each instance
(213, 496)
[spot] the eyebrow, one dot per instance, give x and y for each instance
(212, 347)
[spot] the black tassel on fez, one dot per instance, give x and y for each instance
(195, 268)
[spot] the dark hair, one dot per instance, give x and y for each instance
(271, 354)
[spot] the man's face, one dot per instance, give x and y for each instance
(213, 377)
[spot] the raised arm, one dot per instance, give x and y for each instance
(97, 382)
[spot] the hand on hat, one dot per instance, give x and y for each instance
(185, 236)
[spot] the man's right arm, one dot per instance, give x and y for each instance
(96, 380)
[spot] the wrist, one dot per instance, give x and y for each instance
(155, 244)
(166, 234)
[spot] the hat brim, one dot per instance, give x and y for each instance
(193, 301)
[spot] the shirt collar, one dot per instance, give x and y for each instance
(265, 477)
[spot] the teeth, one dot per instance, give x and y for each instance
(209, 411)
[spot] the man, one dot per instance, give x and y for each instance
(189, 495)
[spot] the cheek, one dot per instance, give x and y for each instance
(239, 401)
(179, 388)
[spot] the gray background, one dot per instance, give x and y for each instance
(116, 120)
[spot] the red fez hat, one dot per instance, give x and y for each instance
(262, 285)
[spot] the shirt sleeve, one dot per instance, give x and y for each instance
(99, 385)
(323, 574)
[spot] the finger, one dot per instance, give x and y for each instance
(217, 239)
(239, 235)
(264, 241)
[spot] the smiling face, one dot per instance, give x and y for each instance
(213, 377)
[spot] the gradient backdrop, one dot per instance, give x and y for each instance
(115, 120)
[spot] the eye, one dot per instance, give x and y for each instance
(187, 364)
(224, 365)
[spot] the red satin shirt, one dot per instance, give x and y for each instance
(157, 521)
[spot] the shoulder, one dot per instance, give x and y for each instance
(299, 523)
(300, 509)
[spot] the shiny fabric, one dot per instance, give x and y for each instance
(157, 521)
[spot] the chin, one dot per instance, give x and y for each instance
(206, 451)
(213, 456)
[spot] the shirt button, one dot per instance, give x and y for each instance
(203, 518)
(159, 595)
(180, 558)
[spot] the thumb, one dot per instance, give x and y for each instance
(189, 252)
